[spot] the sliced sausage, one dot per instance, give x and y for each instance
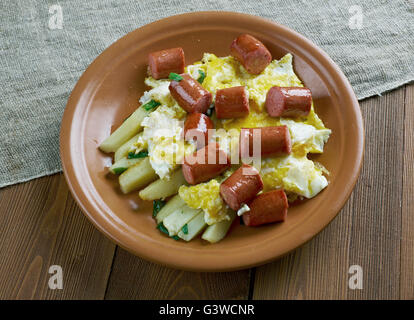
(190, 95)
(241, 187)
(288, 101)
(196, 127)
(232, 103)
(162, 63)
(267, 207)
(251, 53)
(205, 164)
(273, 141)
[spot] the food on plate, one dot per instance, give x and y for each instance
(162, 63)
(222, 138)
(288, 102)
(241, 187)
(196, 127)
(251, 53)
(205, 164)
(232, 103)
(272, 140)
(189, 94)
(268, 207)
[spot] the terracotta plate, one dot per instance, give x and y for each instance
(108, 92)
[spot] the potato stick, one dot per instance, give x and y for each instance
(194, 227)
(161, 189)
(123, 164)
(125, 131)
(123, 150)
(137, 177)
(175, 221)
(175, 203)
(217, 231)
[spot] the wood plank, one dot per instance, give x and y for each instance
(366, 232)
(407, 238)
(41, 225)
(135, 278)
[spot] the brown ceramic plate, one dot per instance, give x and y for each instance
(108, 92)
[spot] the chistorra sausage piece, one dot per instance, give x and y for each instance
(205, 164)
(288, 101)
(251, 53)
(267, 207)
(241, 187)
(190, 95)
(162, 63)
(196, 127)
(232, 103)
(273, 141)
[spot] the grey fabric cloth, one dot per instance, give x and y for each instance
(40, 65)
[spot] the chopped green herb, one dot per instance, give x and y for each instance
(151, 105)
(202, 76)
(175, 76)
(210, 110)
(157, 206)
(176, 238)
(141, 154)
(119, 170)
(184, 229)
(162, 228)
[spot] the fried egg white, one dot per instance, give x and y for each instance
(163, 129)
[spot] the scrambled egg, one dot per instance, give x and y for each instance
(163, 130)
(206, 196)
(227, 72)
(295, 173)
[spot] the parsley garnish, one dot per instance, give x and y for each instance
(151, 105)
(175, 76)
(184, 229)
(209, 111)
(157, 206)
(202, 76)
(162, 228)
(119, 170)
(141, 154)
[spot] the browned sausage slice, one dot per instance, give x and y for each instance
(241, 187)
(190, 95)
(267, 207)
(273, 141)
(205, 164)
(288, 101)
(232, 103)
(251, 53)
(162, 63)
(196, 127)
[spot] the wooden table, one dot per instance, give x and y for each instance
(41, 225)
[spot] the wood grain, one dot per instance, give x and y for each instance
(135, 278)
(41, 225)
(366, 232)
(407, 234)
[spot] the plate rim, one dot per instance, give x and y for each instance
(89, 210)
